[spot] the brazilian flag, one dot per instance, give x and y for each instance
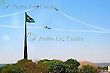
(29, 19)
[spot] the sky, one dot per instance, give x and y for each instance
(80, 29)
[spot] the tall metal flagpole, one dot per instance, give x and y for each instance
(25, 40)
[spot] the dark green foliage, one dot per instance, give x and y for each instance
(58, 69)
(88, 69)
(72, 66)
(47, 66)
(51, 65)
(58, 66)
(23, 66)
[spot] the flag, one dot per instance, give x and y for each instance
(29, 19)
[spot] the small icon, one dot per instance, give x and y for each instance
(56, 9)
(46, 27)
(4, 4)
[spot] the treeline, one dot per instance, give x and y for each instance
(48, 66)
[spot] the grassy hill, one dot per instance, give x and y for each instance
(82, 63)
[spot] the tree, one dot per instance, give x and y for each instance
(42, 66)
(58, 69)
(88, 69)
(58, 66)
(22, 66)
(72, 66)
(54, 66)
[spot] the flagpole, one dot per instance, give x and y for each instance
(25, 40)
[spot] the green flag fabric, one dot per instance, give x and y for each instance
(29, 19)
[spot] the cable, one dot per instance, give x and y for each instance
(74, 19)
(14, 13)
(85, 31)
(5, 26)
(55, 29)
